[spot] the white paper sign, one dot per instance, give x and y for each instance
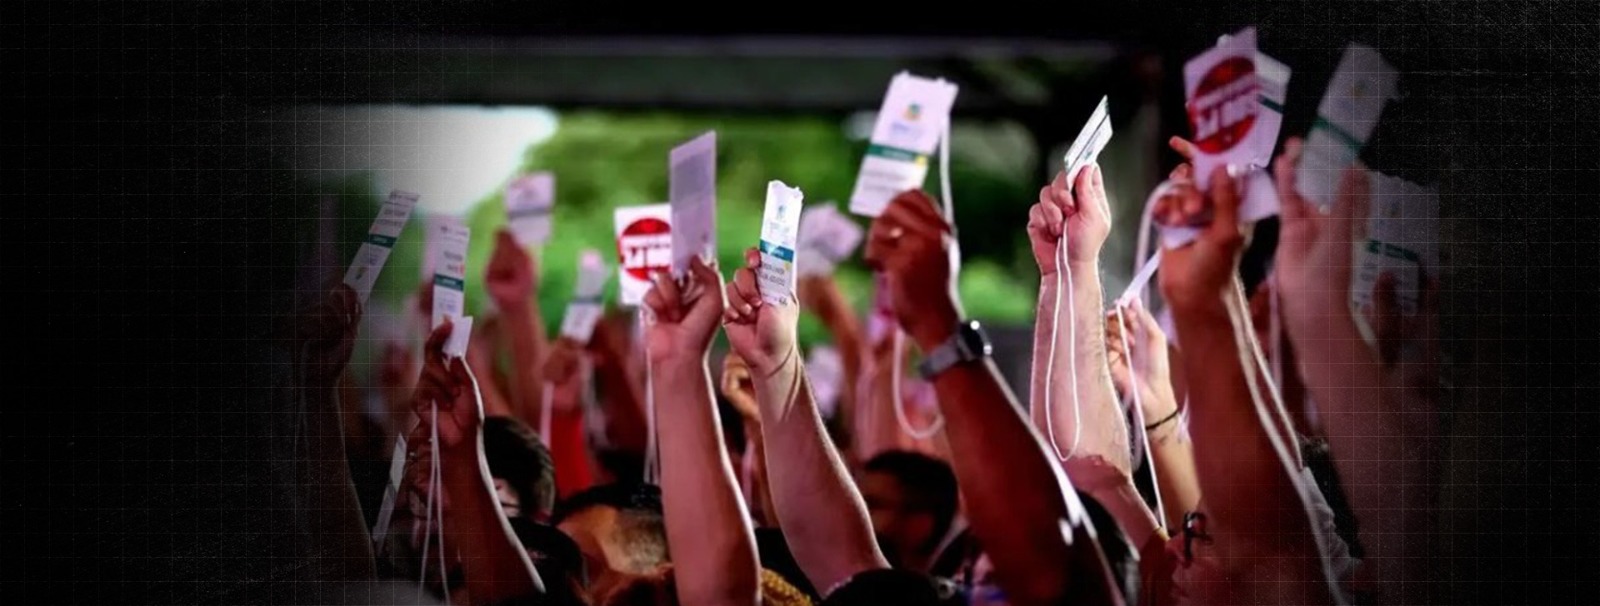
(912, 121)
(586, 307)
(692, 185)
(1360, 87)
(644, 247)
(450, 270)
(780, 229)
(1091, 141)
(1231, 90)
(381, 237)
(529, 200)
(1402, 238)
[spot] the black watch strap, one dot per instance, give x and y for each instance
(966, 344)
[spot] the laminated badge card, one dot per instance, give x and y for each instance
(780, 225)
(529, 200)
(644, 247)
(381, 237)
(586, 307)
(1361, 85)
(911, 123)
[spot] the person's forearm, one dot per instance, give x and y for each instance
(1021, 530)
(525, 329)
(1172, 456)
(713, 544)
(495, 403)
(495, 566)
(846, 331)
(878, 430)
(1098, 409)
(339, 525)
(1384, 443)
(756, 455)
(1245, 481)
(818, 507)
(1044, 322)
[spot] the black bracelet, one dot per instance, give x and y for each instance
(1163, 421)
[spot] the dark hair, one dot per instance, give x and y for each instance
(556, 558)
(1121, 555)
(641, 525)
(517, 455)
(929, 483)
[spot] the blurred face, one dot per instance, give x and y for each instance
(510, 503)
(900, 527)
(1199, 577)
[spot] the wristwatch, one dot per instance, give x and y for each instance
(967, 344)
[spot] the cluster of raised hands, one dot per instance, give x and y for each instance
(1239, 514)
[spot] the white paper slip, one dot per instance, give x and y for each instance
(586, 307)
(450, 270)
(460, 337)
(1091, 141)
(529, 200)
(825, 369)
(911, 123)
(381, 237)
(1223, 88)
(432, 229)
(1402, 239)
(692, 185)
(780, 228)
(1274, 78)
(644, 247)
(397, 468)
(1357, 93)
(1137, 284)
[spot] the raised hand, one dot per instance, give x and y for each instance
(447, 384)
(1196, 276)
(762, 333)
(738, 388)
(685, 317)
(511, 277)
(910, 244)
(328, 332)
(1314, 260)
(1152, 373)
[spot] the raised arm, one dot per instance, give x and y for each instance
(1261, 524)
(818, 507)
(713, 546)
(1039, 538)
(1170, 451)
(513, 281)
(1073, 404)
(325, 342)
(1379, 420)
(820, 295)
(496, 568)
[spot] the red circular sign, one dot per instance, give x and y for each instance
(645, 247)
(1224, 105)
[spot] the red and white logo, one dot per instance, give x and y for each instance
(1223, 107)
(645, 247)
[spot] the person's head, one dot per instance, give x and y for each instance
(912, 499)
(620, 530)
(519, 462)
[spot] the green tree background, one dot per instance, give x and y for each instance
(603, 160)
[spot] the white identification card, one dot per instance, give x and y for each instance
(585, 309)
(644, 247)
(1091, 141)
(1402, 238)
(1223, 89)
(529, 200)
(1360, 87)
(910, 125)
(780, 228)
(450, 270)
(374, 252)
(692, 185)
(397, 468)
(827, 237)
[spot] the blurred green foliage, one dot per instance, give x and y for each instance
(603, 160)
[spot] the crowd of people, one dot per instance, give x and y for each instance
(1259, 450)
